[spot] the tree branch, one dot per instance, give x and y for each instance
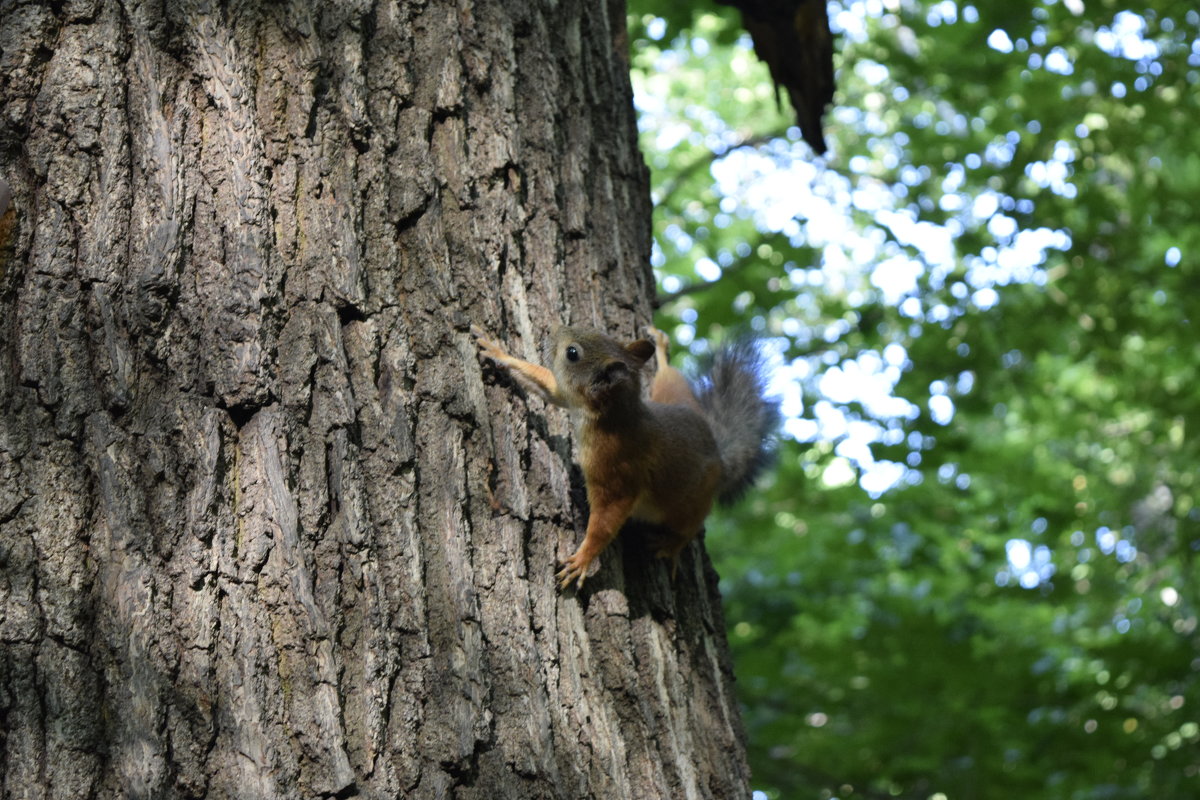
(699, 286)
(711, 156)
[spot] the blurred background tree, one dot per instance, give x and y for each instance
(974, 573)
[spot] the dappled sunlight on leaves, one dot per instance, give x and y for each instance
(975, 565)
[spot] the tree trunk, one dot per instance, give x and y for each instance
(268, 526)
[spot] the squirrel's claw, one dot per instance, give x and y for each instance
(565, 576)
(672, 555)
(487, 346)
(575, 569)
(479, 334)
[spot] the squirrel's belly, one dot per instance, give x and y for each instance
(646, 510)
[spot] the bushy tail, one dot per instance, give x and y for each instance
(743, 419)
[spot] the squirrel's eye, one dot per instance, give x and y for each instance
(572, 353)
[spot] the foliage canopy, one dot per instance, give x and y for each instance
(975, 571)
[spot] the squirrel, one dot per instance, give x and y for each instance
(665, 460)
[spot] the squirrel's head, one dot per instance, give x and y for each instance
(596, 371)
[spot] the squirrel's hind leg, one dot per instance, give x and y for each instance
(670, 386)
(671, 549)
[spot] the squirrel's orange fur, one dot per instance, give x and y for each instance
(653, 460)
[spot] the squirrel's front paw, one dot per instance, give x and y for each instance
(575, 569)
(487, 346)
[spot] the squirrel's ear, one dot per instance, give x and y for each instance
(641, 349)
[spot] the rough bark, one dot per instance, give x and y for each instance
(268, 527)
